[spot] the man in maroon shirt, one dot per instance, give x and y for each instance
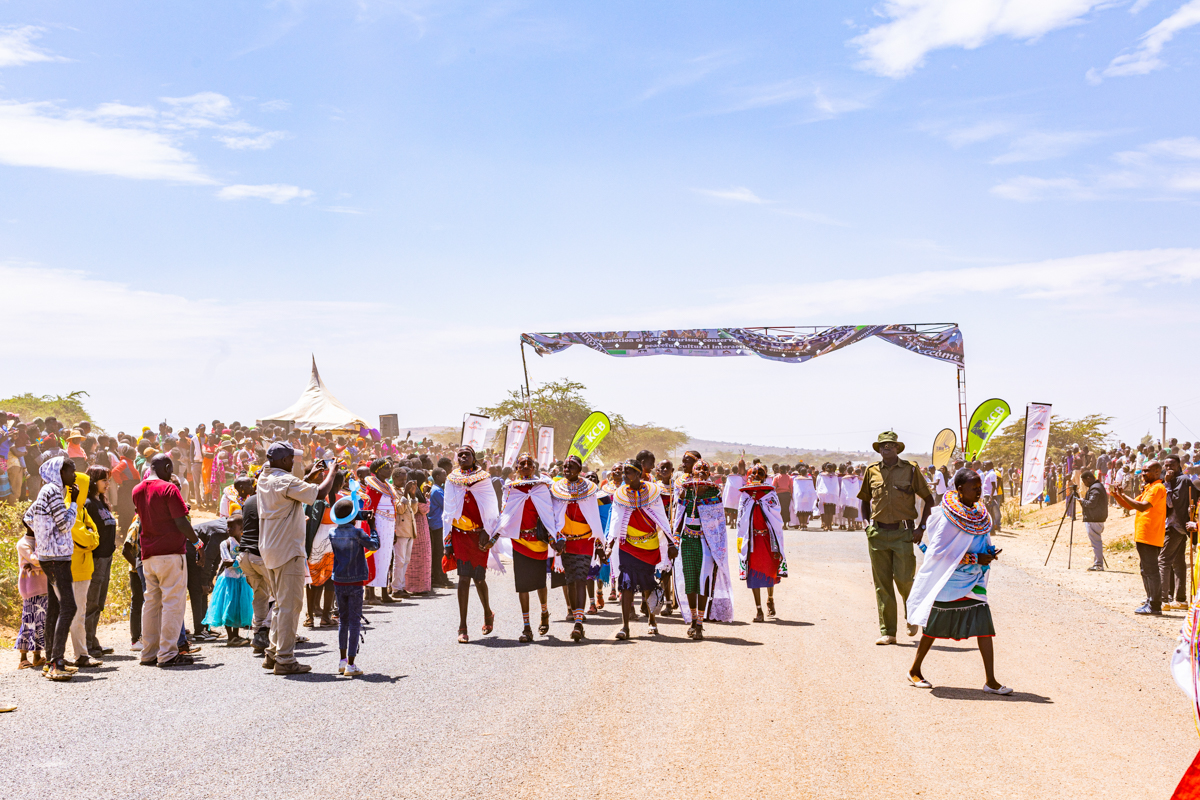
(165, 531)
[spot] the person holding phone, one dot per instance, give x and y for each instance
(949, 594)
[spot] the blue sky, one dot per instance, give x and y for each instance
(198, 196)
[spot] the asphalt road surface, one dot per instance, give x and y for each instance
(806, 706)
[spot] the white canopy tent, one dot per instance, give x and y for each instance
(320, 409)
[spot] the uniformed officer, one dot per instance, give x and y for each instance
(889, 503)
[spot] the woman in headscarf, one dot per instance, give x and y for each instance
(760, 529)
(577, 520)
(51, 517)
(470, 517)
(702, 567)
(949, 595)
(527, 524)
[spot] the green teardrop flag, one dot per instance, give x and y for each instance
(984, 422)
(943, 447)
(589, 436)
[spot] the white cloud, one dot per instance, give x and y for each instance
(201, 110)
(1042, 145)
(275, 192)
(263, 141)
(1027, 189)
(917, 27)
(692, 71)
(973, 134)
(40, 135)
(17, 47)
(1145, 58)
(739, 194)
(1078, 277)
(1166, 168)
(824, 103)
(274, 105)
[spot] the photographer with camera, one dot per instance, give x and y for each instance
(282, 524)
(1095, 513)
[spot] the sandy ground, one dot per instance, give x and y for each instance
(806, 706)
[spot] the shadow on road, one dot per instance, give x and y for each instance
(955, 693)
(789, 623)
(321, 677)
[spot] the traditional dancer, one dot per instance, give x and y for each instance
(804, 498)
(527, 523)
(577, 520)
(662, 476)
(319, 593)
(949, 595)
(638, 540)
(762, 559)
(828, 494)
(851, 484)
(702, 568)
(469, 519)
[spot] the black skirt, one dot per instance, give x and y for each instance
(636, 575)
(960, 619)
(528, 573)
(575, 568)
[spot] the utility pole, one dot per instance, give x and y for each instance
(1162, 410)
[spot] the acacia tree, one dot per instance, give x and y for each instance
(1007, 446)
(68, 409)
(561, 405)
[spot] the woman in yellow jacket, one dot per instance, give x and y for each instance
(86, 536)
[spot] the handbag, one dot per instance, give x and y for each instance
(449, 564)
(31, 585)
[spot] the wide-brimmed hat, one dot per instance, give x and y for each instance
(888, 436)
(75, 434)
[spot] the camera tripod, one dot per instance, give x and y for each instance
(1070, 509)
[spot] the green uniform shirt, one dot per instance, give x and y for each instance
(893, 491)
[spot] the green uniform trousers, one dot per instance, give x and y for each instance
(892, 561)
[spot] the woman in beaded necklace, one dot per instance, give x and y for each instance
(949, 595)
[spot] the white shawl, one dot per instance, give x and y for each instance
(828, 488)
(589, 506)
(618, 526)
(514, 512)
(945, 546)
(804, 494)
(773, 515)
(489, 512)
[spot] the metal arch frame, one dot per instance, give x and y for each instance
(769, 330)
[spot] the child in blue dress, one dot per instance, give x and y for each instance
(232, 600)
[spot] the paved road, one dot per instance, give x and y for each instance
(803, 707)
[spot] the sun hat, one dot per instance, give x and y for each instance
(886, 437)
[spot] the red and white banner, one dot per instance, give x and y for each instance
(545, 446)
(513, 441)
(474, 428)
(1037, 439)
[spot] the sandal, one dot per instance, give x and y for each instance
(612, 596)
(544, 627)
(759, 616)
(592, 609)
(622, 634)
(652, 630)
(577, 633)
(691, 631)
(770, 607)
(699, 632)
(462, 636)
(489, 622)
(526, 635)
(599, 601)
(308, 621)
